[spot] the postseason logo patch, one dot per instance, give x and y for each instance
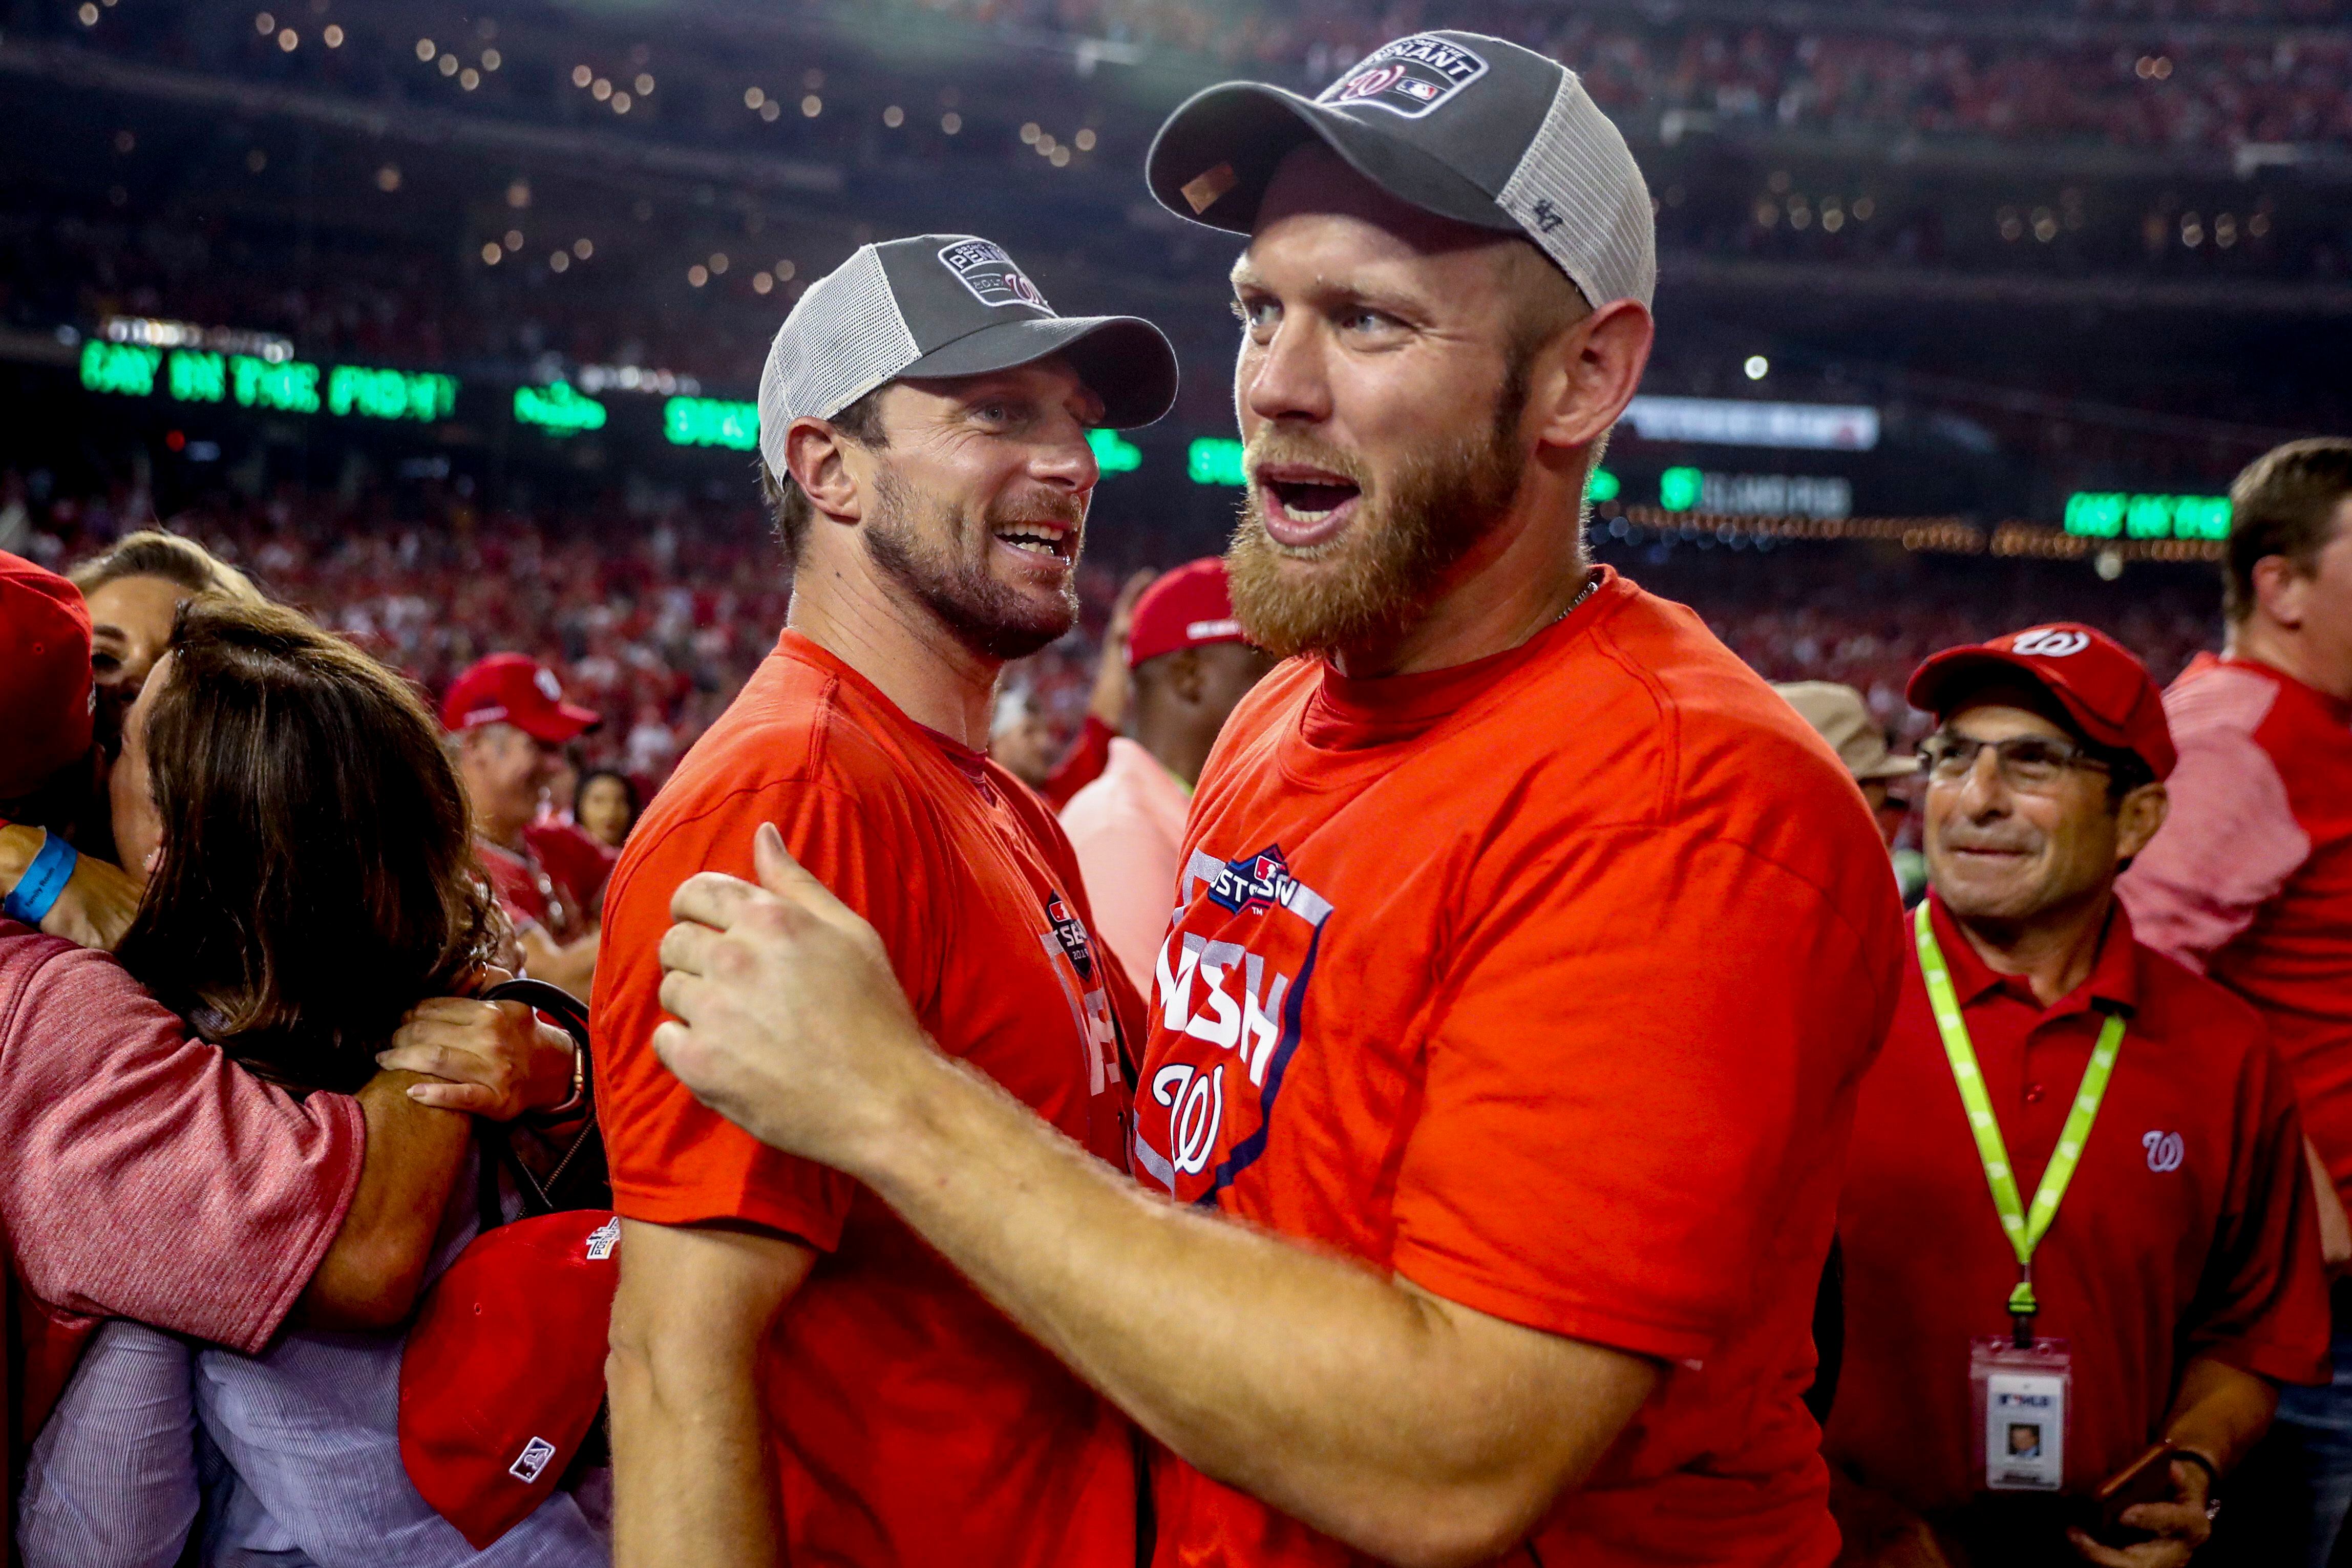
(1410, 77)
(990, 274)
(1071, 932)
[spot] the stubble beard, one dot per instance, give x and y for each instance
(1381, 575)
(920, 546)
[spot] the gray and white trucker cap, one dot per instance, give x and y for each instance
(946, 305)
(1468, 127)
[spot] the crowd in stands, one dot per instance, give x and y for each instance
(657, 622)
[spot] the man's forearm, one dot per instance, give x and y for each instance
(692, 1482)
(2220, 1412)
(370, 1277)
(1364, 1407)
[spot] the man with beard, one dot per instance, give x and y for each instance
(795, 1376)
(1527, 951)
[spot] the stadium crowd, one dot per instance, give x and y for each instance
(1444, 1071)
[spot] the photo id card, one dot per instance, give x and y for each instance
(2020, 1398)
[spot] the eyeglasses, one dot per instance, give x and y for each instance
(2032, 765)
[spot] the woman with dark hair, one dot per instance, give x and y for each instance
(604, 807)
(304, 842)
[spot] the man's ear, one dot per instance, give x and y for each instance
(1183, 675)
(813, 456)
(2141, 812)
(1582, 381)
(2281, 587)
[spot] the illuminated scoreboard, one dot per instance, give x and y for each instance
(2113, 514)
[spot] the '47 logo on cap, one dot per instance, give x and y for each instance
(991, 275)
(1410, 77)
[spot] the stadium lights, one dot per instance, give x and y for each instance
(1737, 421)
(1114, 453)
(557, 409)
(1214, 460)
(1757, 367)
(2113, 514)
(711, 422)
(1602, 485)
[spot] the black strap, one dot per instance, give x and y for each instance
(580, 1178)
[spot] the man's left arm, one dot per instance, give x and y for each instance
(1410, 1427)
(2220, 1413)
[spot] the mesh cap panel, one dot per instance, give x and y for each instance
(846, 337)
(1580, 195)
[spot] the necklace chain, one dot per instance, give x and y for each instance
(1592, 580)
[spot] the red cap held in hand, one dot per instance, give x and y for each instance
(2107, 691)
(1189, 607)
(504, 1370)
(45, 690)
(515, 689)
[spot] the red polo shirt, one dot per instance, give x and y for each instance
(2188, 1230)
(2250, 880)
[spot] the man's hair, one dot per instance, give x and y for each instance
(859, 424)
(318, 877)
(2284, 503)
(152, 553)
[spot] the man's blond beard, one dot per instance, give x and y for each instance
(1383, 573)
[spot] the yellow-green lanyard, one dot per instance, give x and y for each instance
(2025, 1229)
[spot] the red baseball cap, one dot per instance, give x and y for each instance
(2097, 680)
(1189, 607)
(504, 1369)
(45, 688)
(515, 689)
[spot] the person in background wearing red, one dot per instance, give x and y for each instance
(795, 1377)
(1105, 704)
(1503, 1054)
(2252, 879)
(1190, 664)
(149, 1177)
(2079, 1243)
(509, 725)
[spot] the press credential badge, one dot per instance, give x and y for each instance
(2021, 1396)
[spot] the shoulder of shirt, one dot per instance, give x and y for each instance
(1698, 718)
(2221, 702)
(2210, 1016)
(63, 971)
(793, 727)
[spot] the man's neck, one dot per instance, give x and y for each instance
(1521, 579)
(898, 645)
(2051, 952)
(2264, 641)
(1177, 748)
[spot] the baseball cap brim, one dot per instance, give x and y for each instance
(1936, 686)
(1249, 128)
(557, 725)
(1124, 360)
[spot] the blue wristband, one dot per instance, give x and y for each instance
(38, 889)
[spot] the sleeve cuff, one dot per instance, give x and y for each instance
(1556, 1314)
(810, 1225)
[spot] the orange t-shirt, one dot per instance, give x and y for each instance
(1544, 983)
(912, 1421)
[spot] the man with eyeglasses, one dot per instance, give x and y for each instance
(2079, 1245)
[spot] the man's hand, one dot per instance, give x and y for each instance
(790, 1022)
(93, 908)
(2180, 1526)
(499, 1058)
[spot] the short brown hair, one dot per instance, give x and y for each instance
(318, 877)
(152, 553)
(860, 424)
(2284, 503)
